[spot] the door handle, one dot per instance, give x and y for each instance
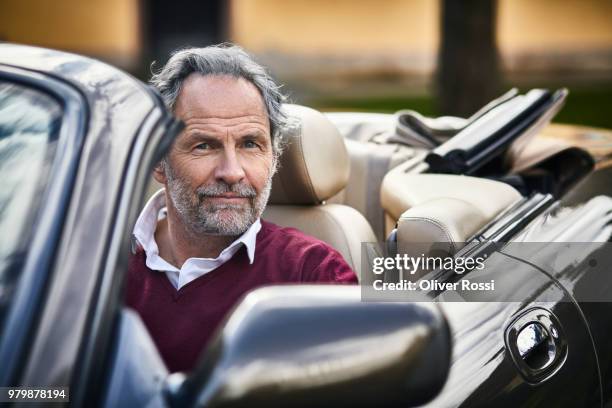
(536, 344)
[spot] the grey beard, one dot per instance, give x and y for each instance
(202, 217)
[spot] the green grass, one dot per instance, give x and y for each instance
(590, 106)
(422, 104)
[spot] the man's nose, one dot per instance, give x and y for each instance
(229, 169)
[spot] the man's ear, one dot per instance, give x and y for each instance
(159, 172)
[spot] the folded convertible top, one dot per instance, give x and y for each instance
(515, 120)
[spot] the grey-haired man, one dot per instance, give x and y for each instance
(202, 242)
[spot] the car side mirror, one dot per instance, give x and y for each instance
(307, 346)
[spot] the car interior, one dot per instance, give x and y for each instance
(347, 191)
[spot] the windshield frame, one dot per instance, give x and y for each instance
(21, 318)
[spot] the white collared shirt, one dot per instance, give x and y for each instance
(144, 233)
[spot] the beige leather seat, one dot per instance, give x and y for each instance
(370, 162)
(314, 167)
(442, 212)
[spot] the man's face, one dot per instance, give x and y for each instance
(219, 171)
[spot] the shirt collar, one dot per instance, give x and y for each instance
(155, 210)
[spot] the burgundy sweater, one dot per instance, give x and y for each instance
(181, 322)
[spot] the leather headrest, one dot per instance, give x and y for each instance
(401, 191)
(315, 164)
(445, 211)
(442, 223)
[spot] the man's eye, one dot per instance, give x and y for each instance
(249, 144)
(203, 146)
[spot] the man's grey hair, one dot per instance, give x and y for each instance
(224, 59)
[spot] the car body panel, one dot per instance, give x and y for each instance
(573, 246)
(483, 372)
(117, 106)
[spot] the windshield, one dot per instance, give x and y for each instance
(29, 125)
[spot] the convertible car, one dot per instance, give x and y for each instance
(78, 140)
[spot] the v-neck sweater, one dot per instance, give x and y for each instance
(181, 322)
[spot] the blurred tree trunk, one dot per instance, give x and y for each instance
(468, 64)
(169, 25)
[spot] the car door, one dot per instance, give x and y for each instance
(488, 368)
(573, 246)
(526, 343)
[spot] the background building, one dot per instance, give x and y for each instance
(343, 54)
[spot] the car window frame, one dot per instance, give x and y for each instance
(21, 318)
(153, 139)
